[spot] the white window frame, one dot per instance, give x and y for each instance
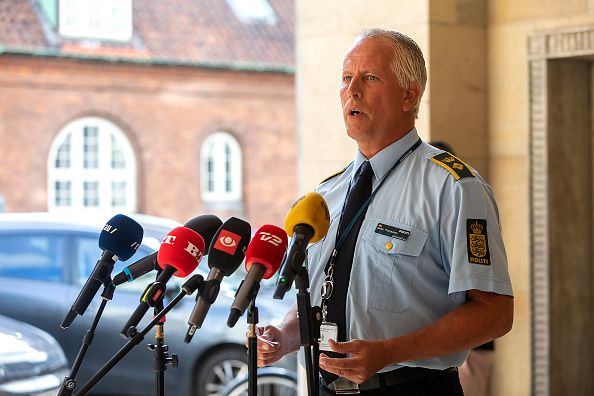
(253, 11)
(104, 174)
(227, 179)
(96, 19)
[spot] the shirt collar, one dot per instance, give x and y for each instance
(383, 161)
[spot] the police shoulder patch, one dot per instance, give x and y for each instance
(478, 243)
(453, 164)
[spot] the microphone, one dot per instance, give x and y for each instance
(227, 251)
(120, 238)
(179, 254)
(205, 225)
(262, 259)
(307, 221)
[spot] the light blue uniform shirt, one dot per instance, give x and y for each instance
(418, 270)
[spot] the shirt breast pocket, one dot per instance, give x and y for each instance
(385, 263)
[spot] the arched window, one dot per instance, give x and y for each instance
(221, 170)
(91, 166)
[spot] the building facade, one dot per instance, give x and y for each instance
(173, 109)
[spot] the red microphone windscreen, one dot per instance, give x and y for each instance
(181, 249)
(268, 246)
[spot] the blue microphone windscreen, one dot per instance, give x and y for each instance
(121, 236)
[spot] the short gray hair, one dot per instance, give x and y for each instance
(408, 63)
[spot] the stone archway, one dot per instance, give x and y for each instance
(561, 209)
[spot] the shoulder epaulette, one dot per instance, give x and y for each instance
(452, 163)
(334, 175)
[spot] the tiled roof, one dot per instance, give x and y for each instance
(201, 32)
(19, 25)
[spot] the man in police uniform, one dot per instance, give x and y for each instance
(429, 278)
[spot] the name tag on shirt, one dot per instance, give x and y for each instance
(393, 232)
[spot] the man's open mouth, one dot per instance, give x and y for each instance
(354, 112)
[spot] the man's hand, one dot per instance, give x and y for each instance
(285, 339)
(368, 357)
(269, 353)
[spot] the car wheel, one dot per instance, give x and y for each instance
(270, 381)
(219, 368)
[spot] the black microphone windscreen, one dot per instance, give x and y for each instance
(228, 247)
(207, 226)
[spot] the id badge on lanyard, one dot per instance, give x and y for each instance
(328, 331)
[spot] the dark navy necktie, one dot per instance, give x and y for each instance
(336, 304)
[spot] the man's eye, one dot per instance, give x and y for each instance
(372, 77)
(347, 78)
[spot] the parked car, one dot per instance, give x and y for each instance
(46, 258)
(32, 362)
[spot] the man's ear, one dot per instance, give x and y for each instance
(412, 96)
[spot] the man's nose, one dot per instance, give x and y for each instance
(354, 88)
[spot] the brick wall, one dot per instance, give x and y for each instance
(166, 112)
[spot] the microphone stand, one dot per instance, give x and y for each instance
(69, 382)
(161, 357)
(161, 361)
(310, 319)
(252, 319)
(136, 338)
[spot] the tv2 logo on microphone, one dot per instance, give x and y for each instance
(270, 238)
(227, 242)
